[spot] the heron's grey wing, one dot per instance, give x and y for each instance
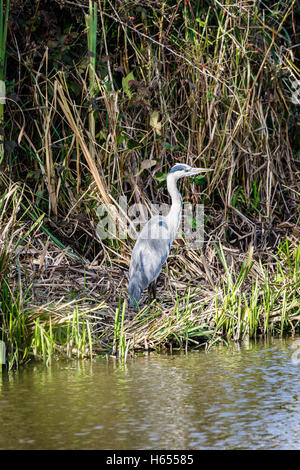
(151, 250)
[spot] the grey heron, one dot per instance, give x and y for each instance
(155, 239)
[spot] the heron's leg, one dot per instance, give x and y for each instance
(152, 290)
(149, 292)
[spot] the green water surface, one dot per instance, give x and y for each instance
(241, 397)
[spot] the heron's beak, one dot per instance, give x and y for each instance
(196, 171)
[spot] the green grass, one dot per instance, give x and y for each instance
(270, 304)
(45, 333)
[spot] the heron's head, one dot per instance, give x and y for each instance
(181, 169)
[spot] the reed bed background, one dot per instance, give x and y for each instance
(103, 97)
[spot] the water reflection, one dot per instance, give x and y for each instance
(228, 398)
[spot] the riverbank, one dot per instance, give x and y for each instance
(57, 304)
(103, 98)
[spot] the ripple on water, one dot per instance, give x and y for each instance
(226, 398)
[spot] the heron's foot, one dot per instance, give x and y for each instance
(152, 291)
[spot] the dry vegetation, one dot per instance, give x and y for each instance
(104, 97)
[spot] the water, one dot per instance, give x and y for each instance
(244, 397)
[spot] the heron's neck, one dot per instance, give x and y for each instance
(174, 214)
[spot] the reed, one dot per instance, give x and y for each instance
(91, 22)
(111, 97)
(4, 13)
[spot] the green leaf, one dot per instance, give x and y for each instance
(125, 84)
(169, 147)
(199, 179)
(160, 177)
